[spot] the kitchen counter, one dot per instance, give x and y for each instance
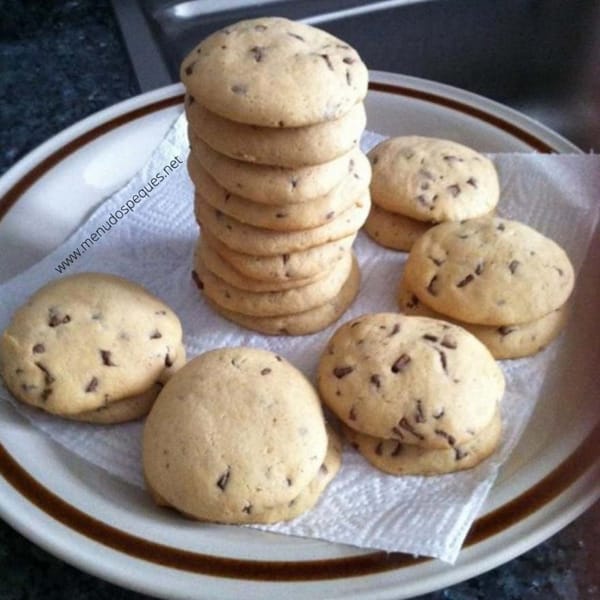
(65, 60)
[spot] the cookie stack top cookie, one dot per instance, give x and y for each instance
(274, 72)
(275, 117)
(416, 395)
(91, 346)
(239, 437)
(419, 181)
(503, 280)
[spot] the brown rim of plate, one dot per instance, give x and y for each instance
(546, 490)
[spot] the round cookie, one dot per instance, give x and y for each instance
(293, 217)
(304, 264)
(504, 341)
(236, 432)
(287, 147)
(275, 73)
(270, 184)
(222, 269)
(430, 179)
(418, 380)
(265, 242)
(396, 458)
(489, 271)
(273, 304)
(304, 323)
(393, 230)
(86, 341)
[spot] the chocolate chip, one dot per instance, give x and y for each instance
(155, 335)
(459, 454)
(395, 329)
(500, 227)
(559, 271)
(197, 280)
(413, 302)
(443, 360)
(278, 358)
(39, 349)
(379, 449)
(48, 378)
(376, 380)
(294, 182)
(479, 268)
(396, 451)
(190, 68)
(431, 286)
(355, 324)
(408, 427)
(454, 190)
(340, 372)
(265, 371)
(280, 124)
(190, 100)
(239, 89)
(330, 215)
(513, 266)
(46, 392)
(505, 329)
(55, 318)
(327, 60)
(289, 481)
(397, 432)
(374, 160)
(430, 338)
(401, 363)
(439, 414)
(92, 386)
(449, 342)
(352, 414)
(258, 53)
(450, 158)
(281, 215)
(421, 199)
(168, 360)
(449, 438)
(420, 414)
(106, 358)
(295, 35)
(466, 280)
(436, 261)
(472, 182)
(348, 77)
(247, 509)
(224, 479)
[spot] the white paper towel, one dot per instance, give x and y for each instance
(153, 245)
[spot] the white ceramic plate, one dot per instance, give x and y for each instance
(113, 530)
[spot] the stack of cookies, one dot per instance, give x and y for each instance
(420, 181)
(275, 117)
(196, 461)
(416, 396)
(502, 280)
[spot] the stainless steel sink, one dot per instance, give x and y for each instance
(539, 56)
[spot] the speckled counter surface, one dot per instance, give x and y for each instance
(64, 60)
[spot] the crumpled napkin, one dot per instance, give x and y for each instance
(153, 244)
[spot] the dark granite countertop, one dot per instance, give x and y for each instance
(64, 60)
